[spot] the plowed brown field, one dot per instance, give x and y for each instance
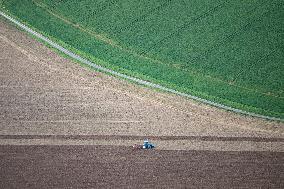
(110, 167)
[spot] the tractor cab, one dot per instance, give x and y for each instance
(148, 145)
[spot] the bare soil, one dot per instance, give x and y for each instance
(122, 167)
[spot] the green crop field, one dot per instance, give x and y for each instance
(229, 52)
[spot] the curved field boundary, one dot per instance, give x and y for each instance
(139, 81)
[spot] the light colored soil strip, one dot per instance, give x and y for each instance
(161, 145)
(136, 137)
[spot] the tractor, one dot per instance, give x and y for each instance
(146, 145)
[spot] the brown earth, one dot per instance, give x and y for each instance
(46, 100)
(111, 167)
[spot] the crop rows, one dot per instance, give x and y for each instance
(143, 16)
(207, 48)
(187, 24)
(159, 26)
(227, 39)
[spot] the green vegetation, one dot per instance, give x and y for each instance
(230, 52)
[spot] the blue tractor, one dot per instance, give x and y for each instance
(146, 145)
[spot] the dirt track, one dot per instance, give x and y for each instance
(43, 94)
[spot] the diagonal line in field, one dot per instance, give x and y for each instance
(136, 80)
(150, 12)
(199, 17)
